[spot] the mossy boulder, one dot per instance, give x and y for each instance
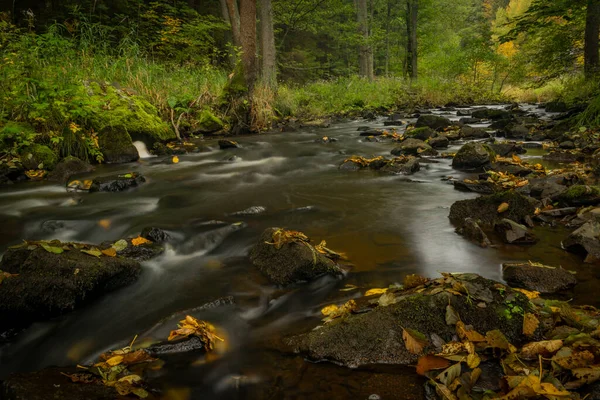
(209, 123)
(68, 167)
(432, 121)
(116, 145)
(49, 284)
(374, 335)
(484, 209)
(580, 195)
(474, 156)
(493, 114)
(291, 262)
(422, 133)
(116, 107)
(541, 278)
(38, 156)
(414, 147)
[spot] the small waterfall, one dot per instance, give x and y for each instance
(142, 149)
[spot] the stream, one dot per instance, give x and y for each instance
(387, 225)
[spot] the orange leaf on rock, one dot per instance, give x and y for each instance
(414, 340)
(430, 363)
(468, 334)
(530, 324)
(110, 252)
(139, 241)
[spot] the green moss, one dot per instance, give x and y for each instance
(208, 122)
(15, 133)
(579, 191)
(114, 107)
(37, 155)
(116, 145)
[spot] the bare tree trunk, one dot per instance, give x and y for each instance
(228, 35)
(592, 30)
(248, 41)
(365, 52)
(388, 20)
(234, 19)
(412, 12)
(269, 66)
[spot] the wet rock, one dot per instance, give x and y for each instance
(375, 337)
(413, 147)
(433, 121)
(473, 156)
(192, 344)
(468, 132)
(451, 135)
(515, 131)
(68, 167)
(468, 121)
(556, 107)
(585, 241)
(254, 210)
(373, 139)
(481, 187)
(351, 166)
(564, 156)
(228, 144)
(393, 123)
(472, 231)
(155, 235)
(423, 133)
(507, 149)
(405, 166)
(500, 125)
(10, 175)
(514, 233)
(372, 132)
(118, 183)
(116, 145)
(440, 142)
(51, 284)
(580, 195)
(547, 187)
(567, 145)
(484, 209)
(293, 262)
(543, 279)
(492, 114)
(317, 123)
(509, 168)
(326, 140)
(50, 383)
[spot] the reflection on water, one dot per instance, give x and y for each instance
(389, 226)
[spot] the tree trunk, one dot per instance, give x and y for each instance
(412, 12)
(269, 66)
(365, 53)
(248, 41)
(228, 35)
(592, 31)
(234, 19)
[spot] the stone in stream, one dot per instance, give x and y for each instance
(515, 131)
(290, 261)
(484, 209)
(514, 233)
(254, 210)
(472, 231)
(371, 132)
(433, 121)
(474, 156)
(507, 149)
(467, 121)
(585, 241)
(439, 142)
(423, 133)
(49, 284)
(541, 278)
(117, 183)
(374, 335)
(580, 195)
(414, 147)
(492, 114)
(68, 167)
(564, 156)
(468, 132)
(156, 235)
(228, 144)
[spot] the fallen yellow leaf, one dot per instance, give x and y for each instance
(502, 208)
(116, 360)
(375, 291)
(175, 159)
(105, 223)
(110, 252)
(139, 241)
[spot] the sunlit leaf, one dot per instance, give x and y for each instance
(372, 292)
(503, 208)
(110, 252)
(414, 341)
(92, 252)
(530, 324)
(120, 245)
(175, 159)
(51, 249)
(139, 241)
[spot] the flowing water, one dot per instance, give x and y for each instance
(389, 226)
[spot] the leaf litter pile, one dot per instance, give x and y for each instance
(377, 162)
(58, 247)
(282, 237)
(559, 357)
(124, 369)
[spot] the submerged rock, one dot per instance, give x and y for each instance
(473, 156)
(290, 262)
(49, 284)
(68, 167)
(543, 279)
(254, 210)
(375, 336)
(228, 144)
(118, 183)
